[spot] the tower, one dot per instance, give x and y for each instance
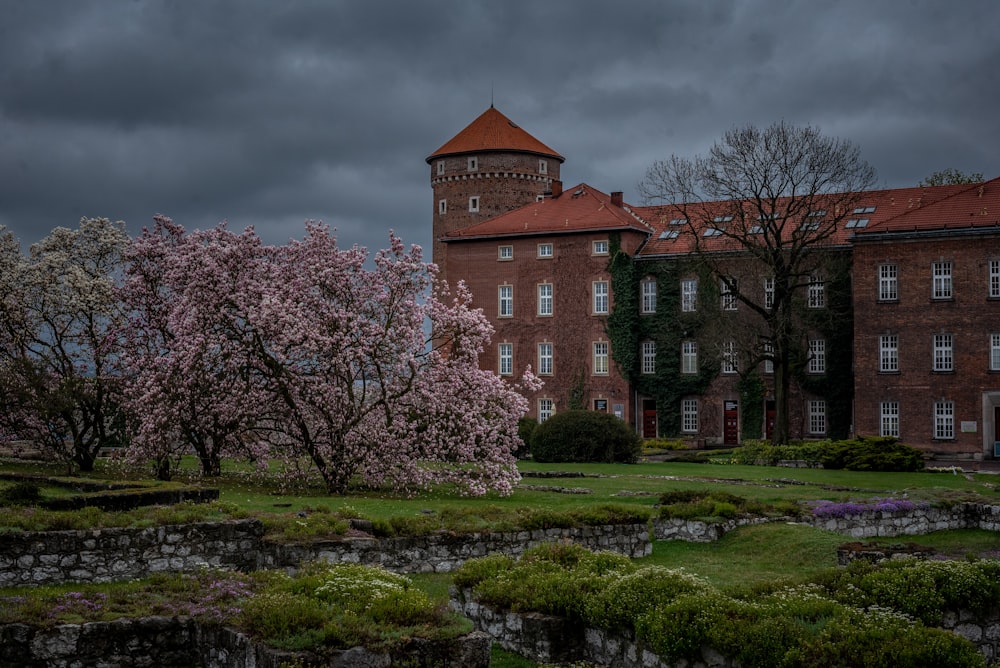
(489, 168)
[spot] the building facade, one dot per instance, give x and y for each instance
(899, 318)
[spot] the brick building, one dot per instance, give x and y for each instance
(606, 303)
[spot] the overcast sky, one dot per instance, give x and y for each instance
(268, 112)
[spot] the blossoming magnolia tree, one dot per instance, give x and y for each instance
(186, 360)
(307, 351)
(59, 310)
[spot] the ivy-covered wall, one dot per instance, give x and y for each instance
(669, 327)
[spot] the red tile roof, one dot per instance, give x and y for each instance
(579, 209)
(966, 206)
(871, 211)
(493, 131)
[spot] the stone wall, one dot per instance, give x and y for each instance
(914, 522)
(545, 638)
(442, 553)
(173, 642)
(549, 639)
(103, 555)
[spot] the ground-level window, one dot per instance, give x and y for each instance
(817, 416)
(689, 415)
(944, 420)
(546, 408)
(889, 425)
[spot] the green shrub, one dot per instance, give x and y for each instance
(20, 494)
(525, 428)
(585, 436)
(881, 453)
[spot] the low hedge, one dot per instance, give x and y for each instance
(676, 614)
(879, 453)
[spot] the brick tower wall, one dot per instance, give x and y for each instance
(502, 182)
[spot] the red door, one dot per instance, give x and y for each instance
(649, 418)
(769, 412)
(731, 423)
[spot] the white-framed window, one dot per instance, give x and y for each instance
(647, 289)
(888, 353)
(943, 353)
(600, 297)
(817, 356)
(545, 299)
(544, 250)
(817, 416)
(689, 295)
(600, 358)
(729, 300)
(474, 204)
(546, 409)
(543, 166)
(941, 275)
(649, 357)
(944, 420)
(505, 252)
(994, 352)
(769, 292)
(505, 299)
(689, 415)
(689, 357)
(544, 359)
(994, 291)
(768, 357)
(506, 357)
(817, 292)
(888, 283)
(729, 361)
(889, 422)
(442, 206)
(472, 163)
(440, 167)
(600, 247)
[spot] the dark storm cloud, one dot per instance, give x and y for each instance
(269, 113)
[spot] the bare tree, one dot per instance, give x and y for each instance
(769, 200)
(951, 177)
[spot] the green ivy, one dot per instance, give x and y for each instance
(752, 391)
(668, 328)
(836, 324)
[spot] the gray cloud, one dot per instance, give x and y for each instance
(270, 113)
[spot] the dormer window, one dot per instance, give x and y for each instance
(474, 204)
(854, 223)
(440, 167)
(864, 209)
(473, 164)
(543, 166)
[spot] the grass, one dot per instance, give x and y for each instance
(744, 558)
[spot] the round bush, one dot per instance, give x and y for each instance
(585, 436)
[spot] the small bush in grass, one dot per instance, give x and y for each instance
(20, 494)
(585, 436)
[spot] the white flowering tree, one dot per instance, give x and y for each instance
(59, 311)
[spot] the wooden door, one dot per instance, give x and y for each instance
(731, 423)
(649, 418)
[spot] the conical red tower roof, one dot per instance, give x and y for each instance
(493, 131)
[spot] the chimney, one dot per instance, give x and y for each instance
(556, 188)
(616, 198)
